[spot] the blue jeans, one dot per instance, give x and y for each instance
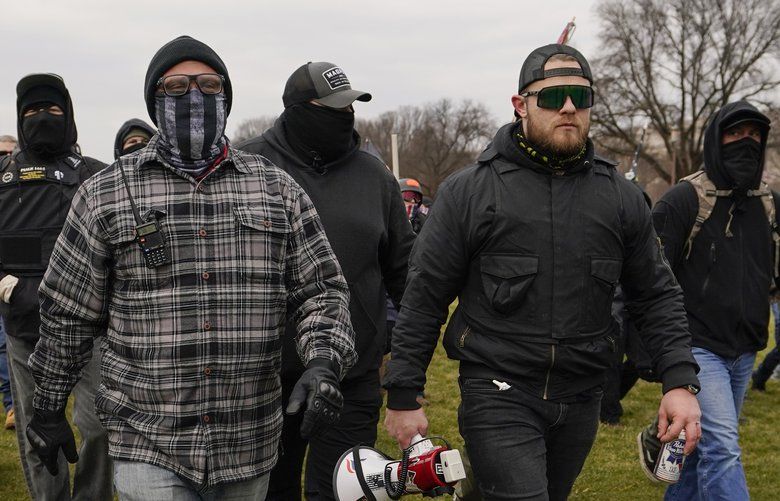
(714, 471)
(136, 481)
(5, 378)
(523, 447)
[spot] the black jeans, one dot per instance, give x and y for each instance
(358, 425)
(523, 447)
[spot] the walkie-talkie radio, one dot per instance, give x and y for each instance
(152, 243)
(147, 233)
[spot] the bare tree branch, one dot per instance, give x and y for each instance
(676, 62)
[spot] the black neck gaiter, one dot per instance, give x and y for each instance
(192, 129)
(742, 163)
(543, 157)
(44, 134)
(319, 135)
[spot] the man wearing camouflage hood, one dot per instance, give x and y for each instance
(185, 261)
(37, 184)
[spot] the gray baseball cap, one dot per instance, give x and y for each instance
(325, 82)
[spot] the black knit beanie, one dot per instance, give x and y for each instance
(180, 49)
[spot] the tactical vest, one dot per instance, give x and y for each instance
(35, 198)
(707, 194)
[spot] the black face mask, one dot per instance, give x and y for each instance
(44, 133)
(742, 162)
(316, 131)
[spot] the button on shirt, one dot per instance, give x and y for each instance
(190, 357)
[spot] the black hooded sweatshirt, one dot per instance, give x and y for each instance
(133, 123)
(362, 211)
(35, 196)
(725, 280)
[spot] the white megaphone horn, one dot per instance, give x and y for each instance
(364, 473)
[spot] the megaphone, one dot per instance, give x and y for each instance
(366, 474)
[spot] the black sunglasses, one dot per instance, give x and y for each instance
(553, 98)
(178, 85)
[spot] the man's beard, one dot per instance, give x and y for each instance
(545, 140)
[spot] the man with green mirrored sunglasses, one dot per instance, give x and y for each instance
(533, 240)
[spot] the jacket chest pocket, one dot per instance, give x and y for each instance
(262, 242)
(600, 282)
(506, 280)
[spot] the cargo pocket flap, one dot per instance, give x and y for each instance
(606, 269)
(508, 266)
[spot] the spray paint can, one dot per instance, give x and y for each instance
(670, 460)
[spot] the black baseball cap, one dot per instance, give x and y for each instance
(41, 88)
(325, 82)
(533, 67)
(746, 115)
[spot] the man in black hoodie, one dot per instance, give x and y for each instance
(533, 240)
(725, 272)
(363, 213)
(37, 184)
(132, 136)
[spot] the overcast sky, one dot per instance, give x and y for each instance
(404, 52)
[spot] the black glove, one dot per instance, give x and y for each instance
(318, 387)
(49, 431)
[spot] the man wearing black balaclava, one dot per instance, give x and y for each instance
(37, 183)
(185, 260)
(725, 268)
(363, 214)
(132, 136)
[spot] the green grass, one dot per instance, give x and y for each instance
(612, 469)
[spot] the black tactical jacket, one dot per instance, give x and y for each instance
(533, 255)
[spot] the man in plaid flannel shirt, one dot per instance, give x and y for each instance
(190, 395)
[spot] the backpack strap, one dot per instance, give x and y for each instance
(769, 208)
(707, 195)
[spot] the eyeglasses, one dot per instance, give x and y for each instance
(553, 98)
(178, 85)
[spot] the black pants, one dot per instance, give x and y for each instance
(357, 425)
(523, 447)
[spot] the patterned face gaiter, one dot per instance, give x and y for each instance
(192, 129)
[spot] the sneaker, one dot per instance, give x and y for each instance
(758, 385)
(10, 420)
(649, 447)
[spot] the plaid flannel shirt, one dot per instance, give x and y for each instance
(191, 349)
